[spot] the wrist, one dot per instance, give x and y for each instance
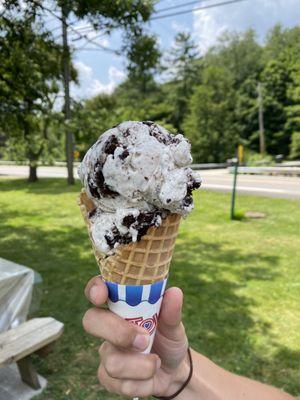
(180, 375)
(180, 380)
(196, 387)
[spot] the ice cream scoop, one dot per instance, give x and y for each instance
(136, 174)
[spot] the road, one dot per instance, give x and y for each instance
(219, 180)
(259, 185)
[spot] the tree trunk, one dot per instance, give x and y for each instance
(67, 109)
(32, 172)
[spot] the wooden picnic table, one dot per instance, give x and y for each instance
(19, 337)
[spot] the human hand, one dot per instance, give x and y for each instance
(123, 369)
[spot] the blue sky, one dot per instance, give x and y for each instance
(101, 72)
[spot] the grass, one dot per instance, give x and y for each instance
(241, 281)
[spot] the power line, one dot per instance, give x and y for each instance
(94, 49)
(85, 35)
(195, 9)
(47, 9)
(93, 42)
(181, 5)
(82, 28)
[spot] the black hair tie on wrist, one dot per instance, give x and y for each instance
(185, 383)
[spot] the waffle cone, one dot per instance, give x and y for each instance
(139, 263)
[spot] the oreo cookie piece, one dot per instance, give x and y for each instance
(142, 222)
(111, 144)
(100, 185)
(162, 137)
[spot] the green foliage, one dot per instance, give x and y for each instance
(143, 58)
(246, 63)
(275, 79)
(29, 76)
(212, 99)
(208, 125)
(240, 54)
(292, 124)
(31, 65)
(110, 15)
(282, 85)
(91, 118)
(295, 146)
(94, 116)
(184, 66)
(256, 159)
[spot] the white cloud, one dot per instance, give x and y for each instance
(261, 15)
(178, 26)
(90, 86)
(115, 74)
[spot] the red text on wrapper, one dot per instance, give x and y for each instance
(149, 323)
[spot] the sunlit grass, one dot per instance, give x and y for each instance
(241, 281)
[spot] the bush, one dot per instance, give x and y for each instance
(295, 146)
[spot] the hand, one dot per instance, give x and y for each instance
(123, 369)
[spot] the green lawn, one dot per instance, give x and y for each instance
(241, 282)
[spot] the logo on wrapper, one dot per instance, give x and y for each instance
(150, 323)
(137, 304)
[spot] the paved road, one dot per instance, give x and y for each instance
(219, 180)
(259, 185)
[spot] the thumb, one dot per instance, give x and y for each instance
(170, 325)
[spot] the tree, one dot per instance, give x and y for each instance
(94, 116)
(242, 58)
(282, 54)
(143, 57)
(29, 74)
(295, 146)
(240, 54)
(184, 70)
(209, 123)
(91, 118)
(106, 16)
(275, 80)
(246, 113)
(293, 112)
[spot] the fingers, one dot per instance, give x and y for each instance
(125, 387)
(120, 364)
(114, 329)
(170, 341)
(170, 315)
(96, 291)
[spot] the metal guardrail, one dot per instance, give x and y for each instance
(209, 166)
(64, 164)
(290, 164)
(55, 164)
(278, 171)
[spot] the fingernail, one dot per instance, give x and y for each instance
(141, 342)
(93, 293)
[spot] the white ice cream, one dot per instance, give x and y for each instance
(140, 170)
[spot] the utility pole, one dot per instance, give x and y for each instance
(67, 110)
(262, 147)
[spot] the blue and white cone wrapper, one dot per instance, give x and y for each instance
(138, 304)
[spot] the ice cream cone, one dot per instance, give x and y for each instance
(139, 263)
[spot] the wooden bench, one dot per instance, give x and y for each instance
(17, 344)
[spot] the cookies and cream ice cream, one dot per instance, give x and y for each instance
(136, 174)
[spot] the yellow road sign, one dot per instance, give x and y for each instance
(240, 153)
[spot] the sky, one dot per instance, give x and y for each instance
(100, 71)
